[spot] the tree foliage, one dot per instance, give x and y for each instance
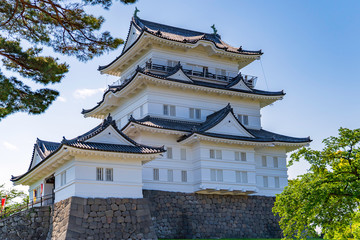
(14, 198)
(326, 197)
(64, 26)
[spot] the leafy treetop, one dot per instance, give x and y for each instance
(62, 25)
(328, 196)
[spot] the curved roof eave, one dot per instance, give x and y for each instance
(255, 92)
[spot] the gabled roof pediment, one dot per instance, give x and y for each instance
(224, 122)
(111, 136)
(239, 84)
(179, 75)
(229, 125)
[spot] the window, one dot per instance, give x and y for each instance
(240, 156)
(212, 153)
(277, 182)
(265, 181)
(184, 176)
(241, 177)
(156, 174)
(183, 154)
(63, 178)
(99, 174)
(172, 63)
(218, 154)
(244, 119)
(170, 175)
(109, 174)
(166, 109)
(263, 161)
(216, 175)
(195, 113)
(172, 111)
(169, 153)
(215, 154)
(276, 162)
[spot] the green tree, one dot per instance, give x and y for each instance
(14, 198)
(62, 25)
(327, 196)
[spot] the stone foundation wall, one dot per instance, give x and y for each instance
(159, 214)
(98, 218)
(29, 224)
(181, 215)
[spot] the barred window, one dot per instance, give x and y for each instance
(184, 176)
(156, 176)
(170, 175)
(263, 161)
(63, 178)
(266, 181)
(276, 162)
(109, 174)
(172, 110)
(216, 175)
(212, 153)
(277, 182)
(99, 174)
(241, 177)
(169, 153)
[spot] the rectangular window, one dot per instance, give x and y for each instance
(276, 162)
(266, 181)
(191, 113)
(241, 177)
(109, 174)
(277, 182)
(216, 175)
(169, 153)
(63, 178)
(244, 119)
(263, 161)
(183, 154)
(99, 174)
(170, 175)
(198, 113)
(172, 110)
(195, 113)
(184, 176)
(243, 156)
(212, 153)
(237, 156)
(218, 154)
(166, 109)
(156, 176)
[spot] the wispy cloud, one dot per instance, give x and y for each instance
(86, 92)
(61, 99)
(9, 146)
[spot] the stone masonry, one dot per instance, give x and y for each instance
(182, 215)
(98, 218)
(29, 224)
(158, 214)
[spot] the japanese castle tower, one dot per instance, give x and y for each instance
(181, 118)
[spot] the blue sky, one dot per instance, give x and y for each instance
(311, 51)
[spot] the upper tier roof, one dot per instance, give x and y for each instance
(46, 149)
(178, 35)
(190, 128)
(201, 84)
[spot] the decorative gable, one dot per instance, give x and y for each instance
(180, 75)
(111, 136)
(240, 86)
(134, 33)
(36, 159)
(230, 126)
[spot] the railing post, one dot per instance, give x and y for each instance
(41, 200)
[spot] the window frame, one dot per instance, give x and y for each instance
(109, 174)
(184, 176)
(99, 174)
(156, 174)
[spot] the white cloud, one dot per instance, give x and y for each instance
(86, 92)
(61, 99)
(9, 146)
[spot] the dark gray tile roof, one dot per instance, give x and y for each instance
(115, 89)
(213, 119)
(179, 35)
(46, 148)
